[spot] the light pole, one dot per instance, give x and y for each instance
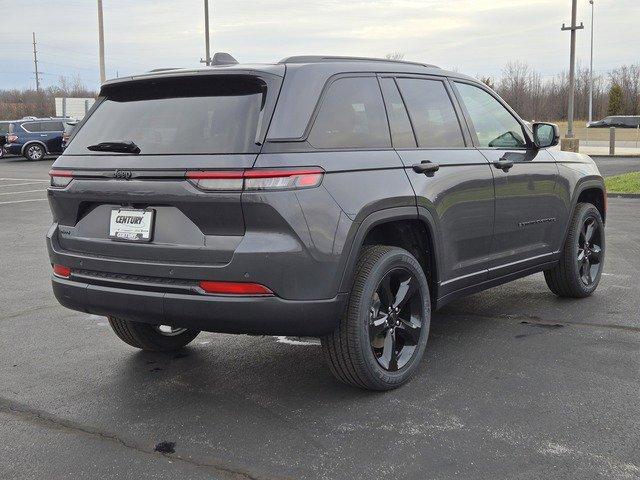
(207, 59)
(101, 42)
(591, 69)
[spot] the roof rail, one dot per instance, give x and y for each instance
(163, 69)
(334, 58)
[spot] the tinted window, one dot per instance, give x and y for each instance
(32, 127)
(493, 123)
(432, 114)
(191, 115)
(51, 126)
(401, 132)
(4, 128)
(351, 116)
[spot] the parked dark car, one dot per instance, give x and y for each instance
(34, 138)
(68, 126)
(340, 198)
(619, 121)
(4, 131)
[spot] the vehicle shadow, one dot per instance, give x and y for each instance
(243, 372)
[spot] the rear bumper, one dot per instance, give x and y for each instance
(262, 315)
(13, 148)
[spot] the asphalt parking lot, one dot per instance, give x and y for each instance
(516, 384)
(616, 166)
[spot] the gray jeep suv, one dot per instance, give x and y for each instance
(343, 198)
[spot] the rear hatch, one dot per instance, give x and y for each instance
(126, 186)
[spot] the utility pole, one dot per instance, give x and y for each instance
(35, 61)
(572, 68)
(591, 69)
(207, 60)
(101, 41)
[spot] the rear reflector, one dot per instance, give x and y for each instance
(282, 179)
(257, 179)
(62, 272)
(60, 178)
(235, 288)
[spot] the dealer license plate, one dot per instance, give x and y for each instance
(131, 225)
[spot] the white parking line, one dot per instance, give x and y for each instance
(24, 179)
(23, 191)
(24, 201)
(20, 184)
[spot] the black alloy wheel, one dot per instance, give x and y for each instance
(396, 319)
(589, 251)
(382, 335)
(581, 260)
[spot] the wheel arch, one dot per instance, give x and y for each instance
(401, 227)
(29, 142)
(590, 191)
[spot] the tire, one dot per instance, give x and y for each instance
(2, 152)
(34, 152)
(572, 277)
(150, 337)
(360, 352)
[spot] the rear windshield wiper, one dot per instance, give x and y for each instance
(124, 147)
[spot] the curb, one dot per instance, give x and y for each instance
(623, 195)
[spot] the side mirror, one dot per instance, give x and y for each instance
(546, 135)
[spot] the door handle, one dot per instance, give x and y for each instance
(426, 167)
(503, 164)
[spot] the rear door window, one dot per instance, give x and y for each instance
(401, 131)
(212, 114)
(32, 127)
(432, 114)
(352, 115)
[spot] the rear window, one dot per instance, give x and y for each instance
(201, 115)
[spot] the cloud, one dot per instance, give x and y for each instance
(474, 36)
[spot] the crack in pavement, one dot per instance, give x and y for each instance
(535, 320)
(29, 311)
(44, 419)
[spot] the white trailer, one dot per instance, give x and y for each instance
(73, 107)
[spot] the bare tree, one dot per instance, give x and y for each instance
(394, 56)
(19, 103)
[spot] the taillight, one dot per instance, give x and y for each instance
(62, 272)
(257, 179)
(217, 180)
(60, 178)
(234, 288)
(12, 138)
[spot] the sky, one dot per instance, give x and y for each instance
(476, 37)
